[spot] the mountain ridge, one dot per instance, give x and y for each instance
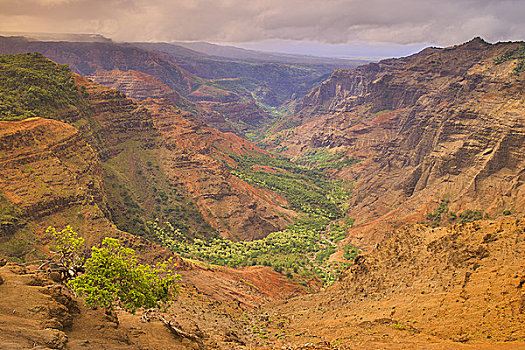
(440, 124)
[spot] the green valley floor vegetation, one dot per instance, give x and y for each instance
(302, 250)
(307, 189)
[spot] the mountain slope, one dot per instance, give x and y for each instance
(137, 167)
(239, 96)
(444, 124)
(459, 287)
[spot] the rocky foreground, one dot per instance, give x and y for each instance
(433, 288)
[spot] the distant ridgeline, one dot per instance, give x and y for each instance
(232, 95)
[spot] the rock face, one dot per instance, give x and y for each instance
(35, 312)
(52, 176)
(441, 124)
(110, 160)
(422, 288)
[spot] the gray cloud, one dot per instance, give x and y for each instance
(440, 22)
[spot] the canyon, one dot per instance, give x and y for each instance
(417, 163)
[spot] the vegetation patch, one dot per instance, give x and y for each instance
(151, 195)
(307, 190)
(324, 159)
(350, 252)
(300, 251)
(519, 54)
(33, 86)
(442, 215)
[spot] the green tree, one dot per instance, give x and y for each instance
(67, 247)
(113, 276)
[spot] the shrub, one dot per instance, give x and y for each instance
(113, 274)
(67, 246)
(350, 252)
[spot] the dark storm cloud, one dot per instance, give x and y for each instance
(440, 22)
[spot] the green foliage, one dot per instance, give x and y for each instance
(437, 217)
(470, 216)
(520, 67)
(434, 219)
(9, 216)
(324, 253)
(150, 196)
(300, 248)
(506, 212)
(307, 190)
(303, 248)
(68, 246)
(33, 86)
(323, 159)
(350, 252)
(337, 231)
(113, 275)
(517, 53)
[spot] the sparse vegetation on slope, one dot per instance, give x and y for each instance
(516, 54)
(443, 216)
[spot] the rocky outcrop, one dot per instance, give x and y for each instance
(441, 124)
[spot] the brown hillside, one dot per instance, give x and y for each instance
(460, 287)
(441, 124)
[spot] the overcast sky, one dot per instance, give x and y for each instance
(322, 27)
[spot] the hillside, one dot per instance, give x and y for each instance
(229, 95)
(459, 287)
(396, 222)
(441, 125)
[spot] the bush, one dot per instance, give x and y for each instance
(350, 252)
(67, 246)
(113, 274)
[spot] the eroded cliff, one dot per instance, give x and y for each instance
(441, 124)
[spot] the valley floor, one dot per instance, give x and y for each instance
(422, 288)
